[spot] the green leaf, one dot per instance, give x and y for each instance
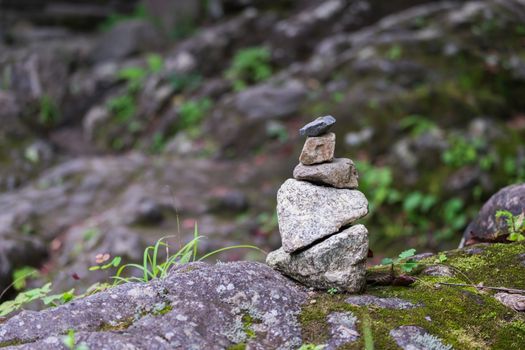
(412, 201)
(155, 63)
(387, 261)
(407, 253)
(441, 258)
(20, 277)
(408, 266)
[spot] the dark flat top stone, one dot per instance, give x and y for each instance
(386, 303)
(318, 127)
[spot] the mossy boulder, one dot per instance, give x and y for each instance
(248, 305)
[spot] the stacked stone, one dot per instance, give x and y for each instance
(315, 211)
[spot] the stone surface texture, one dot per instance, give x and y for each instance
(337, 262)
(343, 329)
(385, 303)
(307, 213)
(513, 301)
(318, 127)
(318, 149)
(417, 338)
(198, 306)
(340, 173)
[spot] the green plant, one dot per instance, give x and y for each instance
(154, 265)
(185, 81)
(192, 112)
(113, 263)
(70, 342)
(454, 216)
(515, 224)
(417, 125)
(24, 298)
(249, 66)
(123, 107)
(332, 291)
(404, 260)
(416, 205)
(461, 151)
(378, 185)
(395, 52)
(441, 258)
(155, 62)
(133, 76)
(367, 333)
(48, 111)
(158, 142)
(21, 275)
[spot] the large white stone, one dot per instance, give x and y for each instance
(307, 212)
(337, 262)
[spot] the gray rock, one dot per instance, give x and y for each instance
(511, 198)
(417, 338)
(340, 173)
(513, 301)
(343, 329)
(127, 38)
(307, 213)
(337, 262)
(438, 271)
(198, 306)
(271, 100)
(318, 149)
(318, 127)
(385, 303)
(238, 122)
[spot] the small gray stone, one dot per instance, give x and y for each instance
(417, 338)
(438, 271)
(337, 262)
(513, 301)
(307, 213)
(384, 303)
(318, 149)
(343, 329)
(340, 173)
(318, 127)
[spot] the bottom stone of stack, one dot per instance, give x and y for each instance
(337, 262)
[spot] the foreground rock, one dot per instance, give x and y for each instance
(340, 173)
(307, 212)
(248, 305)
(337, 262)
(198, 306)
(417, 338)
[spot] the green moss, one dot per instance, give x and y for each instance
(462, 317)
(5, 344)
(240, 346)
(163, 311)
(106, 327)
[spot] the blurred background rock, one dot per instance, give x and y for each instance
(119, 116)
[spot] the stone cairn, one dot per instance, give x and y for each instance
(315, 211)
